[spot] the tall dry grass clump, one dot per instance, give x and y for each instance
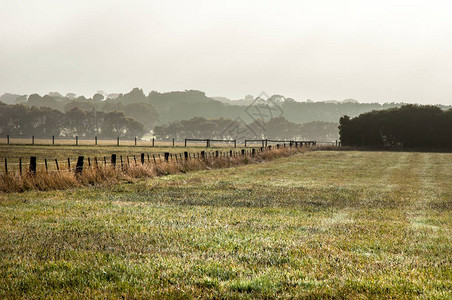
(108, 175)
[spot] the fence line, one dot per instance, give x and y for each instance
(265, 142)
(56, 165)
(209, 141)
(76, 141)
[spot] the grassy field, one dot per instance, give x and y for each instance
(317, 224)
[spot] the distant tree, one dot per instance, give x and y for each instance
(55, 95)
(116, 124)
(9, 98)
(98, 97)
(77, 121)
(83, 104)
(70, 96)
(46, 101)
(134, 96)
(144, 113)
(21, 99)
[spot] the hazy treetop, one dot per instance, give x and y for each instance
(380, 51)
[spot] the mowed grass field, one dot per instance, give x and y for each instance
(340, 224)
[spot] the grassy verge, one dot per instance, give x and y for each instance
(317, 224)
(98, 172)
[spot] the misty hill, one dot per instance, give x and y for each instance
(163, 108)
(8, 98)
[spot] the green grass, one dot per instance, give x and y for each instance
(317, 224)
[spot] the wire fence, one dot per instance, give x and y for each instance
(33, 164)
(152, 142)
(82, 141)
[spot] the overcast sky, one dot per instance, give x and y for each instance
(380, 51)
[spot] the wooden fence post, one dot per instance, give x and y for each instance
(113, 160)
(203, 154)
(235, 143)
(79, 166)
(216, 153)
(253, 152)
(122, 163)
(76, 140)
(185, 143)
(186, 155)
(45, 163)
(89, 162)
(7, 139)
(69, 164)
(32, 168)
(117, 141)
(53, 140)
(207, 143)
(32, 139)
(153, 156)
(243, 152)
(56, 163)
(20, 166)
(153, 142)
(142, 158)
(6, 165)
(135, 141)
(173, 142)
(95, 140)
(166, 156)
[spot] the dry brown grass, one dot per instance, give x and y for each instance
(108, 175)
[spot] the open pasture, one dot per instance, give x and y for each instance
(342, 224)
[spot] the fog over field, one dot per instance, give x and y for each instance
(233, 149)
(372, 51)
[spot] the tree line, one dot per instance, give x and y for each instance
(158, 108)
(276, 128)
(410, 126)
(43, 122)
(171, 110)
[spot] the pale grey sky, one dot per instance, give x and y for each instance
(380, 51)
